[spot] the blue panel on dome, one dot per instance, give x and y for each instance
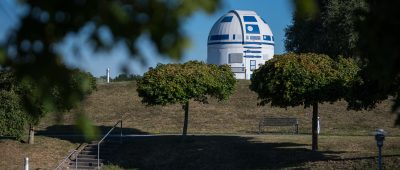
(220, 37)
(249, 19)
(252, 29)
(227, 19)
(267, 37)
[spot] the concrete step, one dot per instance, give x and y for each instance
(90, 148)
(72, 167)
(93, 160)
(94, 152)
(82, 156)
(85, 164)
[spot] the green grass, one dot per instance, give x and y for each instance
(225, 135)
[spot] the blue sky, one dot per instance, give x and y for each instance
(277, 14)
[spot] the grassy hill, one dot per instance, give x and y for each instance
(238, 115)
(225, 135)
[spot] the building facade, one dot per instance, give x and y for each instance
(241, 39)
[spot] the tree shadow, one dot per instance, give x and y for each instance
(73, 134)
(211, 152)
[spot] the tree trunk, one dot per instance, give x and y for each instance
(31, 134)
(186, 119)
(314, 127)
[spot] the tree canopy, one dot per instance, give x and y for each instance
(21, 106)
(331, 30)
(304, 79)
(31, 52)
(378, 43)
(362, 29)
(180, 83)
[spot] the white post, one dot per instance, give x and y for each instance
(318, 127)
(26, 165)
(108, 75)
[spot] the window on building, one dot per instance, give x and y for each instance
(252, 29)
(227, 19)
(249, 19)
(267, 37)
(252, 65)
(235, 58)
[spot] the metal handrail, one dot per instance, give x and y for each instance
(65, 159)
(98, 144)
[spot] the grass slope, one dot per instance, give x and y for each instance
(238, 115)
(46, 153)
(229, 139)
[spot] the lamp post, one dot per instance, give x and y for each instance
(379, 137)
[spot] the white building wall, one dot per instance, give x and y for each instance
(234, 35)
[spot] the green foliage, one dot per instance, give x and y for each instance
(24, 106)
(378, 44)
(30, 49)
(126, 77)
(331, 31)
(12, 119)
(179, 83)
(303, 79)
(365, 29)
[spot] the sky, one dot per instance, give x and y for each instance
(277, 13)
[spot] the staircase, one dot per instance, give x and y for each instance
(87, 157)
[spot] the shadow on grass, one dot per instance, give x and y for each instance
(73, 134)
(210, 152)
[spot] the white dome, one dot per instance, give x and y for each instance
(241, 39)
(236, 25)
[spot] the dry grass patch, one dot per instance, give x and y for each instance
(46, 153)
(238, 115)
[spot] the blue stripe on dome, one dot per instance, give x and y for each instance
(220, 37)
(250, 51)
(236, 42)
(252, 56)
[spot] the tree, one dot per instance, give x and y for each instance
(127, 77)
(304, 79)
(30, 50)
(378, 45)
(23, 107)
(12, 119)
(180, 83)
(330, 31)
(364, 29)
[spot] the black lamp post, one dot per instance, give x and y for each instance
(379, 137)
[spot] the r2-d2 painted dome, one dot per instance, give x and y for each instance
(241, 39)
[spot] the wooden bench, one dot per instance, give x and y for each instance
(275, 121)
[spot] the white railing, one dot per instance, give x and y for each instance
(105, 136)
(59, 165)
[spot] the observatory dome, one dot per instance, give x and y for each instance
(241, 39)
